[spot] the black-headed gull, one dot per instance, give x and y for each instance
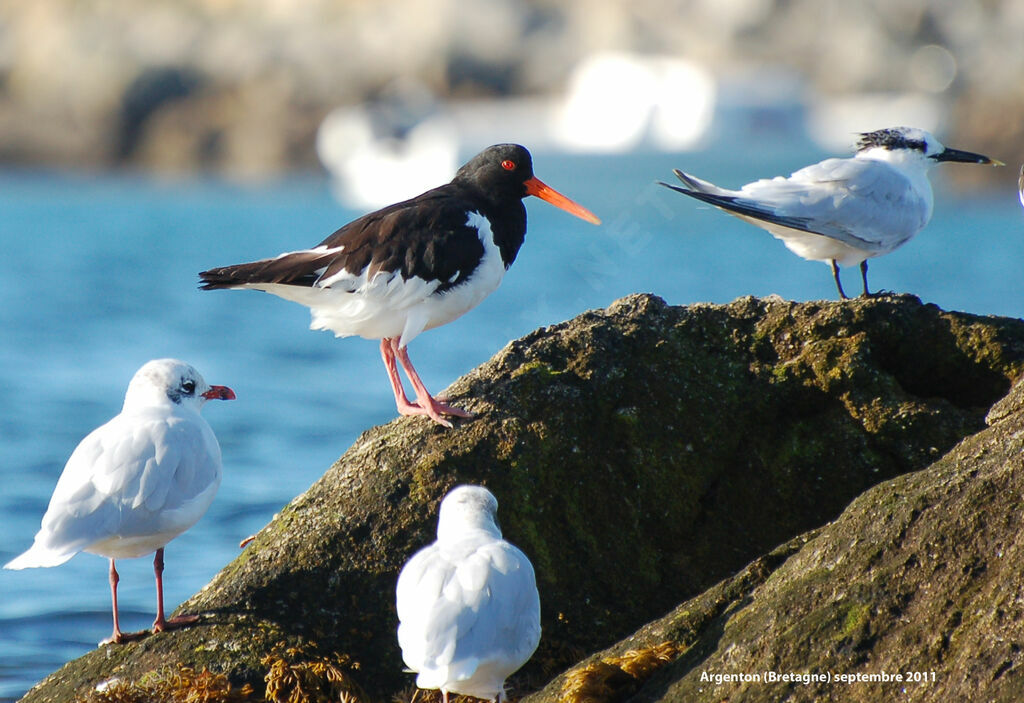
(412, 266)
(844, 211)
(137, 482)
(468, 607)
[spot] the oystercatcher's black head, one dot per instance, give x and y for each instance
(499, 169)
(505, 171)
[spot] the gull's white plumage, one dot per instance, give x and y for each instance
(468, 606)
(138, 481)
(843, 211)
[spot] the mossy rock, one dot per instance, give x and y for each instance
(913, 593)
(639, 454)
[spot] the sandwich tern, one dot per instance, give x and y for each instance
(844, 211)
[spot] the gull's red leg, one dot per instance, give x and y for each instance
(116, 637)
(161, 623)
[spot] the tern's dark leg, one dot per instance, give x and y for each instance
(864, 277)
(835, 275)
(161, 623)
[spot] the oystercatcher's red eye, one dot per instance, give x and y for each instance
(508, 165)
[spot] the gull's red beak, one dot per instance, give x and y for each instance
(534, 186)
(219, 393)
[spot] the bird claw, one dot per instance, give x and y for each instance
(174, 623)
(878, 294)
(433, 408)
(119, 637)
(452, 410)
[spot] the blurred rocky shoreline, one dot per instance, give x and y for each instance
(240, 88)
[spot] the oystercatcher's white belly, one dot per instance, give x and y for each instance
(388, 305)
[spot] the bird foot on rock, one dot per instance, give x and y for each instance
(119, 637)
(174, 623)
(433, 408)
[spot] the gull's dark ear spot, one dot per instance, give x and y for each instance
(187, 389)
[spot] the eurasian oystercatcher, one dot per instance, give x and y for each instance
(137, 482)
(411, 266)
(468, 606)
(844, 211)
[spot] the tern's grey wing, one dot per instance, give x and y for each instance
(866, 204)
(748, 208)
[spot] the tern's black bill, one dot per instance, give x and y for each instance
(966, 157)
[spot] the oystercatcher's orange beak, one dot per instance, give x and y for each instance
(219, 393)
(535, 186)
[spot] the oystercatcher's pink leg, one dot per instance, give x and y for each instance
(401, 400)
(425, 403)
(161, 623)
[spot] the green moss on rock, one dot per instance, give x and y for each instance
(639, 455)
(920, 574)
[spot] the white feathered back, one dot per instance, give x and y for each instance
(468, 606)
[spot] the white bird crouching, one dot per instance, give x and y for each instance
(137, 482)
(468, 607)
(843, 211)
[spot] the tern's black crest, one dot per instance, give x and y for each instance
(896, 138)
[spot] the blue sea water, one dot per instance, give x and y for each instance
(98, 275)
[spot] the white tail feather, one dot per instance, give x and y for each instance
(39, 556)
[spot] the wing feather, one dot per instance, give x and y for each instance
(426, 237)
(466, 608)
(120, 477)
(863, 203)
